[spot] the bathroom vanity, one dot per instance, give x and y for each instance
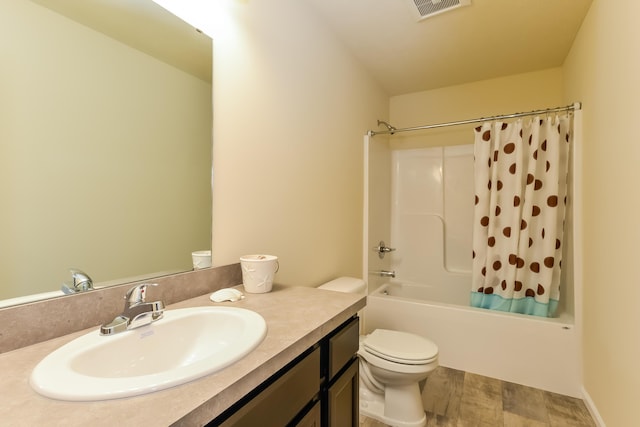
(304, 372)
(318, 388)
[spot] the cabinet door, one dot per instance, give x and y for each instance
(312, 419)
(342, 346)
(279, 403)
(342, 398)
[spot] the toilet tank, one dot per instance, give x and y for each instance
(345, 284)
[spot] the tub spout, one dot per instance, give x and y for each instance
(384, 273)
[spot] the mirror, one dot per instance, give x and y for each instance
(105, 143)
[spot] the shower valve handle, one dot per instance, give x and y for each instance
(383, 249)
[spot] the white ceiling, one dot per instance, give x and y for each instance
(488, 39)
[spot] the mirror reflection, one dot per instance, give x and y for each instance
(105, 143)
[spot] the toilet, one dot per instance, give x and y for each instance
(393, 368)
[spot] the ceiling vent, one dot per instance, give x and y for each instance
(427, 8)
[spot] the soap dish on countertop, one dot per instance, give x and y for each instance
(226, 294)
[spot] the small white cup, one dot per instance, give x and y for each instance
(258, 272)
(201, 259)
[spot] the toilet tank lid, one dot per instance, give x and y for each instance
(345, 284)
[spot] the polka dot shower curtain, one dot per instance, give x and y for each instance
(520, 199)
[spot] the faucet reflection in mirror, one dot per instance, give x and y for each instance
(80, 282)
(137, 312)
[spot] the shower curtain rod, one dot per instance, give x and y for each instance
(392, 130)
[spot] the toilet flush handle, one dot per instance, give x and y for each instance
(383, 249)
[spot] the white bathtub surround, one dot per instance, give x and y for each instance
(520, 197)
(529, 350)
(431, 209)
(432, 190)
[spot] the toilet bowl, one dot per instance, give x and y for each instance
(393, 364)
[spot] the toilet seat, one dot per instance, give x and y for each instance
(398, 368)
(400, 347)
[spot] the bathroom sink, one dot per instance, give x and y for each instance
(184, 345)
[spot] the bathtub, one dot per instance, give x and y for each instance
(533, 351)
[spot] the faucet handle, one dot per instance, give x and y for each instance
(137, 294)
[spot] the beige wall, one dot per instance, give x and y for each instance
(521, 92)
(291, 106)
(603, 71)
(87, 179)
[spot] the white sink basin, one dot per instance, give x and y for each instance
(184, 345)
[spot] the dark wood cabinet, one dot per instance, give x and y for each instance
(342, 398)
(317, 389)
(340, 389)
(313, 418)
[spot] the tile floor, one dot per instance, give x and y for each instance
(455, 398)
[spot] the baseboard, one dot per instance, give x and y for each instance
(592, 408)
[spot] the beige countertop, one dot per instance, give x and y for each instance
(296, 317)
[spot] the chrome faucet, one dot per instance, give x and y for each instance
(137, 312)
(80, 282)
(384, 273)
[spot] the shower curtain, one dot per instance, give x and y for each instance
(520, 199)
